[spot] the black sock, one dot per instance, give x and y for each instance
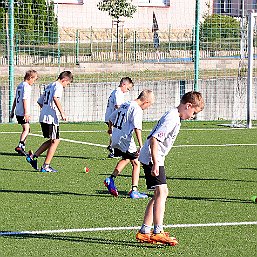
(113, 176)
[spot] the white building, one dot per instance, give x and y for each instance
(175, 14)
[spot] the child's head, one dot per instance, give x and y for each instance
(65, 78)
(191, 103)
(30, 77)
(145, 99)
(126, 84)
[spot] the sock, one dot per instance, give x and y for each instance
(145, 229)
(45, 165)
(157, 229)
(134, 188)
(34, 156)
(113, 177)
(22, 144)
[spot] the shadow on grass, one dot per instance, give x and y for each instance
(210, 179)
(60, 156)
(211, 199)
(99, 193)
(77, 239)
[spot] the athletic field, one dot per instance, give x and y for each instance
(211, 171)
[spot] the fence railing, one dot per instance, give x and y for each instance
(140, 56)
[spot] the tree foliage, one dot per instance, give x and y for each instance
(219, 29)
(34, 22)
(117, 8)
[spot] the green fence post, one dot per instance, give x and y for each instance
(10, 50)
(77, 47)
(197, 45)
(135, 46)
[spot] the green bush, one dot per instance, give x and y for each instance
(220, 32)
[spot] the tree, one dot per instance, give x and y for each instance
(217, 29)
(34, 22)
(117, 9)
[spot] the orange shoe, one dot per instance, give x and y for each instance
(163, 238)
(143, 238)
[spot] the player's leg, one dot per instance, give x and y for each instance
(160, 195)
(134, 193)
(20, 149)
(54, 142)
(144, 234)
(109, 181)
(25, 132)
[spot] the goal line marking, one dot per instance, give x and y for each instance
(12, 233)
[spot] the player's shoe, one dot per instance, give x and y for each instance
(48, 169)
(111, 155)
(144, 238)
(109, 183)
(163, 238)
(20, 150)
(32, 161)
(137, 195)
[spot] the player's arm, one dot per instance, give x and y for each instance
(138, 133)
(154, 154)
(26, 112)
(109, 127)
(13, 108)
(59, 107)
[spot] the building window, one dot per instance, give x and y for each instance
(161, 3)
(69, 2)
(225, 6)
(254, 4)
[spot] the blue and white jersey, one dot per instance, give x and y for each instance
(23, 92)
(125, 119)
(116, 98)
(165, 131)
(49, 110)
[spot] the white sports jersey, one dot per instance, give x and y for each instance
(115, 98)
(23, 92)
(49, 110)
(165, 131)
(125, 120)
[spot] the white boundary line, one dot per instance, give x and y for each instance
(175, 146)
(12, 233)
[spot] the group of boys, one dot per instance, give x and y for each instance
(123, 120)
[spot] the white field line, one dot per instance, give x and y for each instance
(175, 146)
(12, 233)
(104, 146)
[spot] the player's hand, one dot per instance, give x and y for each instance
(109, 131)
(155, 170)
(64, 117)
(26, 117)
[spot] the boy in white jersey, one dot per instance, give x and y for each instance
(152, 156)
(21, 105)
(50, 103)
(115, 100)
(126, 120)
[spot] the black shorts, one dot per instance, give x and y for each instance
(21, 120)
(152, 181)
(127, 155)
(50, 130)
